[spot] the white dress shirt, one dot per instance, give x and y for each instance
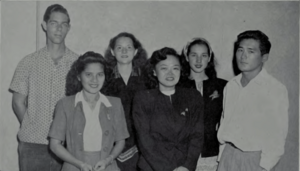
(92, 134)
(255, 117)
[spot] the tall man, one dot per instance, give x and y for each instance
(255, 118)
(38, 83)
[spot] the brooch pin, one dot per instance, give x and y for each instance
(183, 113)
(214, 95)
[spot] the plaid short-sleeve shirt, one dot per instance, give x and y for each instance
(43, 82)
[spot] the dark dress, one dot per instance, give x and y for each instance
(169, 129)
(212, 112)
(116, 87)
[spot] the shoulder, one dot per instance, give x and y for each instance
(71, 55)
(31, 58)
(114, 100)
(148, 92)
(217, 82)
(146, 96)
(185, 82)
(233, 80)
(67, 102)
(221, 81)
(274, 84)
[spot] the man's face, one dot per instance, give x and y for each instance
(248, 56)
(57, 27)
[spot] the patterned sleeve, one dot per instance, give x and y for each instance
(20, 79)
(120, 122)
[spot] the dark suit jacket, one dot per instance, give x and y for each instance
(212, 112)
(169, 129)
(117, 88)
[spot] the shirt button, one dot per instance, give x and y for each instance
(106, 133)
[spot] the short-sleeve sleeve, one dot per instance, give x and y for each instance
(120, 122)
(59, 124)
(20, 79)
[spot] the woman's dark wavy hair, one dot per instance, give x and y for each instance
(209, 70)
(151, 81)
(73, 85)
(138, 60)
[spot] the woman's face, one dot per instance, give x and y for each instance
(198, 58)
(92, 78)
(124, 50)
(168, 72)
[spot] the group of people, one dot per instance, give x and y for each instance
(128, 112)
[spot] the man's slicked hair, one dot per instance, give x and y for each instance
(264, 43)
(55, 8)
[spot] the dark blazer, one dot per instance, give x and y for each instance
(116, 87)
(169, 129)
(212, 112)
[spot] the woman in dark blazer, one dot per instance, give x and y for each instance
(125, 56)
(199, 73)
(168, 120)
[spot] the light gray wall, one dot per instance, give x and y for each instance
(18, 38)
(155, 24)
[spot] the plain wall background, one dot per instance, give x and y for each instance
(155, 24)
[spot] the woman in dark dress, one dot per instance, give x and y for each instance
(200, 74)
(125, 56)
(168, 120)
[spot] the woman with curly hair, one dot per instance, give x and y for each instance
(168, 119)
(125, 56)
(200, 74)
(92, 124)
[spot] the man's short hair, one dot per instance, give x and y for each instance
(55, 8)
(264, 43)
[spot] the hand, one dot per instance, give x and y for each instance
(181, 168)
(85, 167)
(101, 165)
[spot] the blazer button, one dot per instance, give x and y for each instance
(106, 133)
(105, 149)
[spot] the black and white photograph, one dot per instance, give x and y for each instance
(149, 85)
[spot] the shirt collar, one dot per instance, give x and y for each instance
(134, 72)
(66, 54)
(103, 99)
(259, 79)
